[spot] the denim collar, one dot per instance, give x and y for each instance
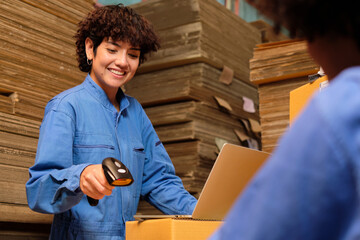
(99, 94)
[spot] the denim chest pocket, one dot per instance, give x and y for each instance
(137, 147)
(138, 156)
(92, 148)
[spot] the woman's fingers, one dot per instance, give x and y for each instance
(93, 182)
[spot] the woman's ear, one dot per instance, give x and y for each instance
(89, 48)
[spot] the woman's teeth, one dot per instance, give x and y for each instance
(117, 72)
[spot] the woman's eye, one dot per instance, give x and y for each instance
(111, 50)
(134, 55)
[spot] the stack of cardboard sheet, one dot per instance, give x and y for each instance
(18, 138)
(38, 51)
(37, 61)
(199, 82)
(278, 68)
(194, 31)
(190, 131)
(196, 89)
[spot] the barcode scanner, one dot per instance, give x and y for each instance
(116, 173)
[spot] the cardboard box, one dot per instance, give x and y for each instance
(300, 96)
(170, 229)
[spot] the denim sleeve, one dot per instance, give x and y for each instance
(161, 187)
(53, 186)
(304, 191)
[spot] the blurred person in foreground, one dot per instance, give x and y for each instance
(96, 120)
(310, 187)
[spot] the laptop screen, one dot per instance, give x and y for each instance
(233, 169)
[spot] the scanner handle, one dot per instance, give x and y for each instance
(92, 202)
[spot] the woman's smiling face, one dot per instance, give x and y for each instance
(114, 64)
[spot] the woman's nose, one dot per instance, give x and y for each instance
(121, 59)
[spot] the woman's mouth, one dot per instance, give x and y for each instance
(117, 72)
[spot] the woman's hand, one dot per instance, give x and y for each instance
(93, 182)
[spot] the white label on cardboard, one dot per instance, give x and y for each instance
(249, 105)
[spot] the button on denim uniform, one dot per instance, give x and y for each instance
(81, 127)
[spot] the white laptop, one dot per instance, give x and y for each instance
(233, 169)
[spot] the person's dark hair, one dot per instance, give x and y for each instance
(310, 18)
(119, 23)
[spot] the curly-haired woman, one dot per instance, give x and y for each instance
(309, 188)
(96, 120)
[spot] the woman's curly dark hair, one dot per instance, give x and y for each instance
(310, 18)
(121, 24)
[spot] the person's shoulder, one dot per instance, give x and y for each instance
(133, 102)
(135, 108)
(64, 100)
(342, 90)
(338, 102)
(351, 74)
